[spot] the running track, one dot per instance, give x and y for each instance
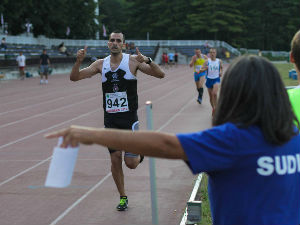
(29, 110)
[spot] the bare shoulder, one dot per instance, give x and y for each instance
(97, 65)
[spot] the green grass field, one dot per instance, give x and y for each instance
(283, 69)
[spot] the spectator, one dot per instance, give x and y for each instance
(131, 48)
(227, 54)
(171, 56)
(44, 67)
(62, 49)
(3, 45)
(21, 60)
(165, 60)
(176, 58)
(259, 53)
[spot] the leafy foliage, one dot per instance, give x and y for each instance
(258, 24)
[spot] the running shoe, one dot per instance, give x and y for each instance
(199, 100)
(123, 204)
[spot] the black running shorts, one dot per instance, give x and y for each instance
(124, 120)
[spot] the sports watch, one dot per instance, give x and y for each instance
(149, 60)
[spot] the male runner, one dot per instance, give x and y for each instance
(214, 67)
(120, 99)
(197, 61)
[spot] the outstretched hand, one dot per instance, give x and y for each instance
(81, 53)
(72, 136)
(140, 57)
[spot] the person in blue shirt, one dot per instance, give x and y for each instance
(251, 154)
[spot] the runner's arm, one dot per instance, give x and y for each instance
(151, 69)
(77, 74)
(204, 67)
(221, 68)
(192, 61)
(148, 143)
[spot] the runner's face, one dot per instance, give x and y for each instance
(115, 43)
(198, 52)
(213, 53)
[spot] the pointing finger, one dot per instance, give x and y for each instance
(55, 134)
(138, 51)
(85, 48)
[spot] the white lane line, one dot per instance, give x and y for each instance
(43, 130)
(175, 115)
(39, 96)
(44, 113)
(59, 91)
(86, 114)
(109, 174)
(57, 109)
(80, 199)
(45, 102)
(25, 171)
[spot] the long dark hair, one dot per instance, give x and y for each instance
(252, 93)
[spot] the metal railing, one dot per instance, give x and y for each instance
(48, 42)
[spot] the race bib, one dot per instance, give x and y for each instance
(197, 68)
(116, 102)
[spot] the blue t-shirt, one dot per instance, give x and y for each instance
(250, 180)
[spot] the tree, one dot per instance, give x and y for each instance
(217, 20)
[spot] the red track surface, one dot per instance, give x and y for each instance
(29, 110)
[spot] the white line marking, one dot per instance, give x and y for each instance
(39, 96)
(175, 115)
(41, 131)
(57, 109)
(102, 180)
(80, 199)
(41, 103)
(24, 171)
(44, 113)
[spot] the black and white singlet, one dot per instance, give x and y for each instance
(119, 87)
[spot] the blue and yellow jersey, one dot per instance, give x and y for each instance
(198, 64)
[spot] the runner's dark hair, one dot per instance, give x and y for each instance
(118, 32)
